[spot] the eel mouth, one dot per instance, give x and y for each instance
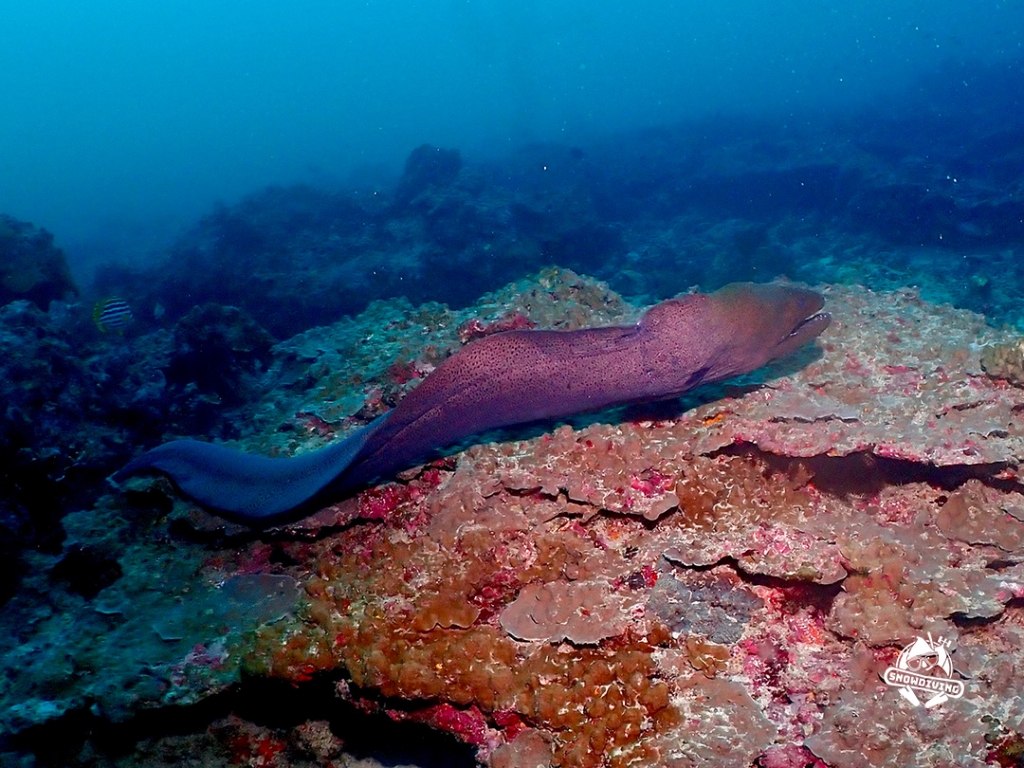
(811, 326)
(804, 332)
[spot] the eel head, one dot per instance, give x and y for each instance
(735, 330)
(766, 322)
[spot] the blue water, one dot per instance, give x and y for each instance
(121, 122)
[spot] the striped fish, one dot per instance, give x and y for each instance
(112, 315)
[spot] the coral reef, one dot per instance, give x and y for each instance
(716, 582)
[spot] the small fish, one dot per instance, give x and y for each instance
(112, 315)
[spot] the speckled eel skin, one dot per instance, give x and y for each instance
(505, 379)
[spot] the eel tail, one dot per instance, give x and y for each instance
(248, 488)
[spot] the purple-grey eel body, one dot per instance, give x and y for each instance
(502, 380)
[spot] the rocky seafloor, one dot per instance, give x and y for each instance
(720, 581)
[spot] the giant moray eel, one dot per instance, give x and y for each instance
(505, 379)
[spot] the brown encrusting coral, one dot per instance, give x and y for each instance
(1005, 360)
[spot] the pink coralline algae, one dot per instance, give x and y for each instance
(722, 584)
(512, 321)
(470, 724)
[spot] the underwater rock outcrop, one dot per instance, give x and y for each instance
(299, 257)
(721, 582)
(221, 351)
(31, 266)
(427, 167)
